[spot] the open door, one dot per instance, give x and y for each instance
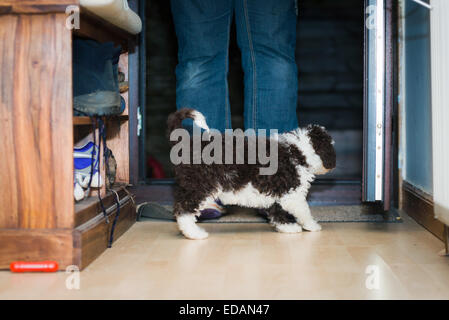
(377, 102)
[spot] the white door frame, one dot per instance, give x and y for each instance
(374, 123)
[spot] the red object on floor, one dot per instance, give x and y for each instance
(156, 168)
(36, 266)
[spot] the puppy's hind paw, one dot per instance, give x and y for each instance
(312, 226)
(288, 228)
(188, 227)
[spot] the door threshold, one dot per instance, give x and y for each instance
(324, 192)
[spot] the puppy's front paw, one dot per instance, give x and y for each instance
(312, 226)
(188, 227)
(288, 228)
(195, 233)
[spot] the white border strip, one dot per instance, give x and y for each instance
(380, 90)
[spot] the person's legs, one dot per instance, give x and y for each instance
(203, 28)
(266, 34)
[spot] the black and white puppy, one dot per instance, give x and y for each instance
(302, 154)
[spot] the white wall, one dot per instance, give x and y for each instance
(439, 22)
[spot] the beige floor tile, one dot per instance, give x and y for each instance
(251, 261)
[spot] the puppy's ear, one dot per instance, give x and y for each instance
(319, 133)
(322, 143)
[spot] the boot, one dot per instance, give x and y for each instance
(95, 78)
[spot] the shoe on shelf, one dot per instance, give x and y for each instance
(82, 157)
(78, 192)
(122, 104)
(95, 78)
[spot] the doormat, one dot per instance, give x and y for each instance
(354, 213)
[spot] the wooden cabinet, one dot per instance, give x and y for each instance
(38, 217)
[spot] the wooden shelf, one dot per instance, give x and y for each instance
(90, 207)
(36, 6)
(92, 230)
(91, 238)
(39, 224)
(97, 28)
(91, 25)
(85, 121)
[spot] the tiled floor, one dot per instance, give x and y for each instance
(250, 261)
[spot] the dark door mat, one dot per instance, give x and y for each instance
(355, 213)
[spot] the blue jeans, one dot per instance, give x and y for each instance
(266, 36)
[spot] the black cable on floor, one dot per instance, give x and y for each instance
(100, 135)
(111, 236)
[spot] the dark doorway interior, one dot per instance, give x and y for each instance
(330, 64)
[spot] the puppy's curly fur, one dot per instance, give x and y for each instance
(302, 154)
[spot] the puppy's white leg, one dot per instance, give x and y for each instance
(282, 220)
(298, 207)
(189, 228)
(287, 227)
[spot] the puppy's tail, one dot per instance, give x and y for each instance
(175, 119)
